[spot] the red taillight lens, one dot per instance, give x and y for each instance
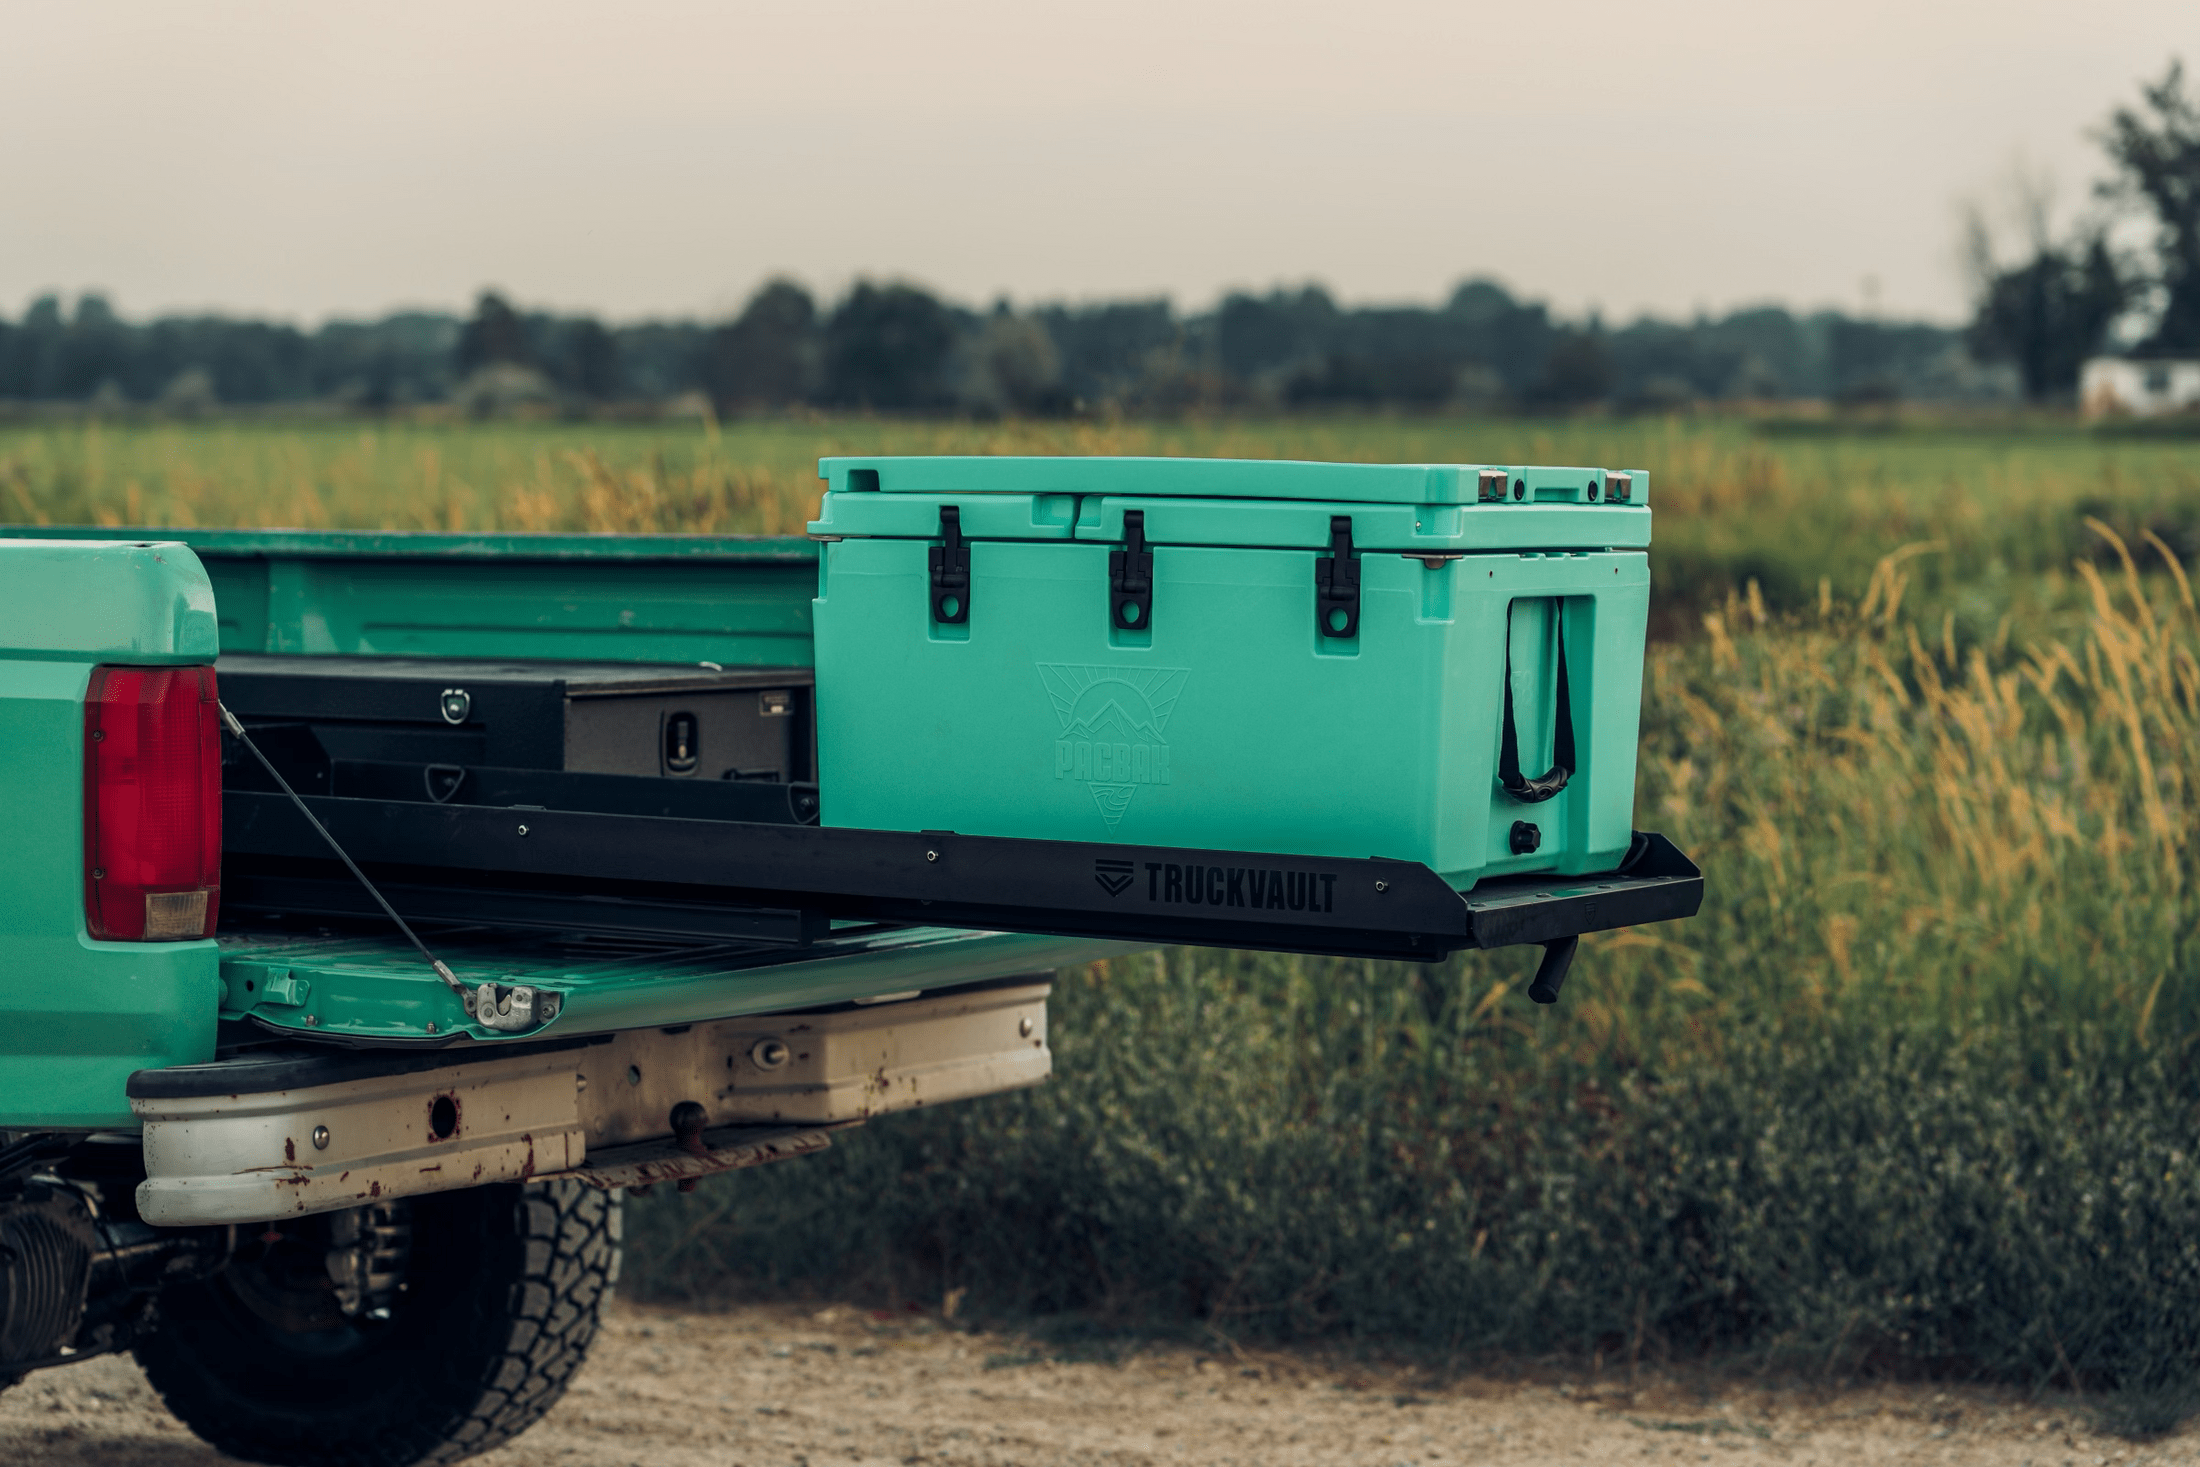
(152, 803)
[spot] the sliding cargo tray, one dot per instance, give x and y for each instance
(786, 883)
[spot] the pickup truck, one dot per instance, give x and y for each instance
(377, 909)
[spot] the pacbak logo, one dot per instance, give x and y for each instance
(1111, 728)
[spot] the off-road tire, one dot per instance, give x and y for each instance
(501, 1301)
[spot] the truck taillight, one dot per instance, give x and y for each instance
(152, 803)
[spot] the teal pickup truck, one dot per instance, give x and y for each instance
(376, 909)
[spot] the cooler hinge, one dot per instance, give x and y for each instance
(1337, 583)
(951, 570)
(1130, 577)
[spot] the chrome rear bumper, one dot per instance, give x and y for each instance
(261, 1137)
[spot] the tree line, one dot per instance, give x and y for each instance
(896, 347)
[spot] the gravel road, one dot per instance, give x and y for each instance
(778, 1386)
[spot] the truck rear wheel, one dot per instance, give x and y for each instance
(462, 1322)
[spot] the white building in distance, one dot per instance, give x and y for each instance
(2138, 387)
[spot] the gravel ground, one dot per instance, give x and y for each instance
(778, 1386)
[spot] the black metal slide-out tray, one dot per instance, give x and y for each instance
(779, 882)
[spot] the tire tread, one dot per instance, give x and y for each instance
(538, 1325)
(570, 1243)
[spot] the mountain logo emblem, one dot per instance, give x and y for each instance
(1111, 724)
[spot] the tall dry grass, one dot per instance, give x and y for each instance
(1884, 800)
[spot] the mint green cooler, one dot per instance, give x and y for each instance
(1428, 662)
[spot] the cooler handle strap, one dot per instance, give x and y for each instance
(1542, 787)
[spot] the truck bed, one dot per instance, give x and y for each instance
(724, 891)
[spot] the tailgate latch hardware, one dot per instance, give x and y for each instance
(513, 1007)
(1130, 577)
(1337, 584)
(951, 570)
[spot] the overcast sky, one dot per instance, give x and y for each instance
(633, 159)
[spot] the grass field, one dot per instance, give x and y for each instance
(1918, 1090)
(1735, 502)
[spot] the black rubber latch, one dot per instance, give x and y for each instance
(1527, 838)
(1130, 576)
(951, 570)
(1550, 974)
(1337, 583)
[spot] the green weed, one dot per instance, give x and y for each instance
(1916, 1091)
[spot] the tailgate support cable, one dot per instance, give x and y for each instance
(489, 1006)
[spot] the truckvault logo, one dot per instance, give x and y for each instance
(1114, 876)
(1111, 722)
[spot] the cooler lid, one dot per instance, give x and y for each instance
(1223, 478)
(1409, 529)
(1410, 508)
(913, 516)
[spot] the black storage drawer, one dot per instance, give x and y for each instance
(678, 722)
